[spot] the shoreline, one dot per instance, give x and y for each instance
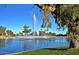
(71, 51)
(5, 37)
(45, 37)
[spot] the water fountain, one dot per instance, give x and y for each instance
(34, 16)
(34, 33)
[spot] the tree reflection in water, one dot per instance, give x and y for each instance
(26, 44)
(2, 43)
(9, 41)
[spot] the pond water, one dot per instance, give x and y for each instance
(8, 46)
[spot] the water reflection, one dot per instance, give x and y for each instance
(2, 43)
(26, 44)
(17, 45)
(8, 41)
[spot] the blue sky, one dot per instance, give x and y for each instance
(14, 16)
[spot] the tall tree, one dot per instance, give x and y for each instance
(65, 16)
(9, 33)
(2, 30)
(26, 29)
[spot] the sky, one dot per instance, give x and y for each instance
(15, 16)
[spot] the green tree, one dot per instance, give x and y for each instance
(9, 33)
(65, 16)
(26, 29)
(53, 34)
(69, 17)
(20, 34)
(42, 33)
(2, 30)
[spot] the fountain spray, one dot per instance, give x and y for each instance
(34, 18)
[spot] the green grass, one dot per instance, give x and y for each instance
(51, 52)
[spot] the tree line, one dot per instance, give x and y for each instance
(25, 32)
(5, 32)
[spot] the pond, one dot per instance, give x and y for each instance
(8, 46)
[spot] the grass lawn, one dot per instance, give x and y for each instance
(72, 51)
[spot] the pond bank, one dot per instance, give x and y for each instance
(72, 51)
(9, 37)
(6, 37)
